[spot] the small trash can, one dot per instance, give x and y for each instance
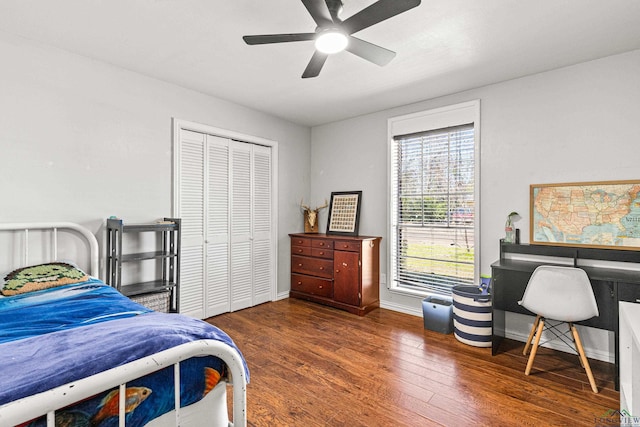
(472, 315)
(438, 314)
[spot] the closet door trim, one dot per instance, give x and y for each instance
(179, 124)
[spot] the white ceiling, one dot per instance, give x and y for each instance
(443, 46)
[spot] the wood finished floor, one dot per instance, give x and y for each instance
(313, 365)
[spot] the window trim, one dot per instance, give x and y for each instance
(438, 118)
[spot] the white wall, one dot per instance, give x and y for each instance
(81, 140)
(578, 123)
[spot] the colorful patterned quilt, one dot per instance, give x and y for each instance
(55, 336)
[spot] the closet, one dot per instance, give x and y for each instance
(223, 191)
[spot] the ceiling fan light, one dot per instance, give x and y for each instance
(331, 42)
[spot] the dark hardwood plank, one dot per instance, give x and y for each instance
(313, 365)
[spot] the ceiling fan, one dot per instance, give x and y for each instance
(333, 35)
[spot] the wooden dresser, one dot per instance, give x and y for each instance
(340, 271)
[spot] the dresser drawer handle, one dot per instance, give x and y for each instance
(320, 287)
(321, 243)
(345, 246)
(321, 252)
(299, 242)
(300, 265)
(299, 283)
(321, 268)
(300, 250)
(344, 264)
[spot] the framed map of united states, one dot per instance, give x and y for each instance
(588, 214)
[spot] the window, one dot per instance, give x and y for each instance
(433, 200)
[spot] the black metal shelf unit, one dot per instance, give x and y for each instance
(167, 254)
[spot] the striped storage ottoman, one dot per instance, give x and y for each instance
(472, 316)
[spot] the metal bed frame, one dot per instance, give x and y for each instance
(46, 403)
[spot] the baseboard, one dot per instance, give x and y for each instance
(282, 295)
(401, 308)
(591, 353)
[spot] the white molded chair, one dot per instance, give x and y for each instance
(563, 294)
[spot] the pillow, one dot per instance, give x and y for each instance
(42, 276)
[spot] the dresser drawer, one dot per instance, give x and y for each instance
(312, 285)
(312, 266)
(347, 245)
(300, 241)
(323, 244)
(301, 250)
(322, 253)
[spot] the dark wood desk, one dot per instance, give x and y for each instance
(610, 285)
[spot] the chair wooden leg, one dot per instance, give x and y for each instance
(583, 358)
(533, 331)
(575, 345)
(534, 349)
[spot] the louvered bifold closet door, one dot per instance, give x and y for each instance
(190, 195)
(224, 196)
(217, 242)
(241, 224)
(263, 252)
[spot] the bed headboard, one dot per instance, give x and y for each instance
(23, 244)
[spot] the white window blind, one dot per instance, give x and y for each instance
(433, 209)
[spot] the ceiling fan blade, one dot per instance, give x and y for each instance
(319, 11)
(278, 38)
(369, 51)
(377, 12)
(315, 65)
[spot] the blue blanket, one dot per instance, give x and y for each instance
(52, 337)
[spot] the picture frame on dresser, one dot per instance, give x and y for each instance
(344, 213)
